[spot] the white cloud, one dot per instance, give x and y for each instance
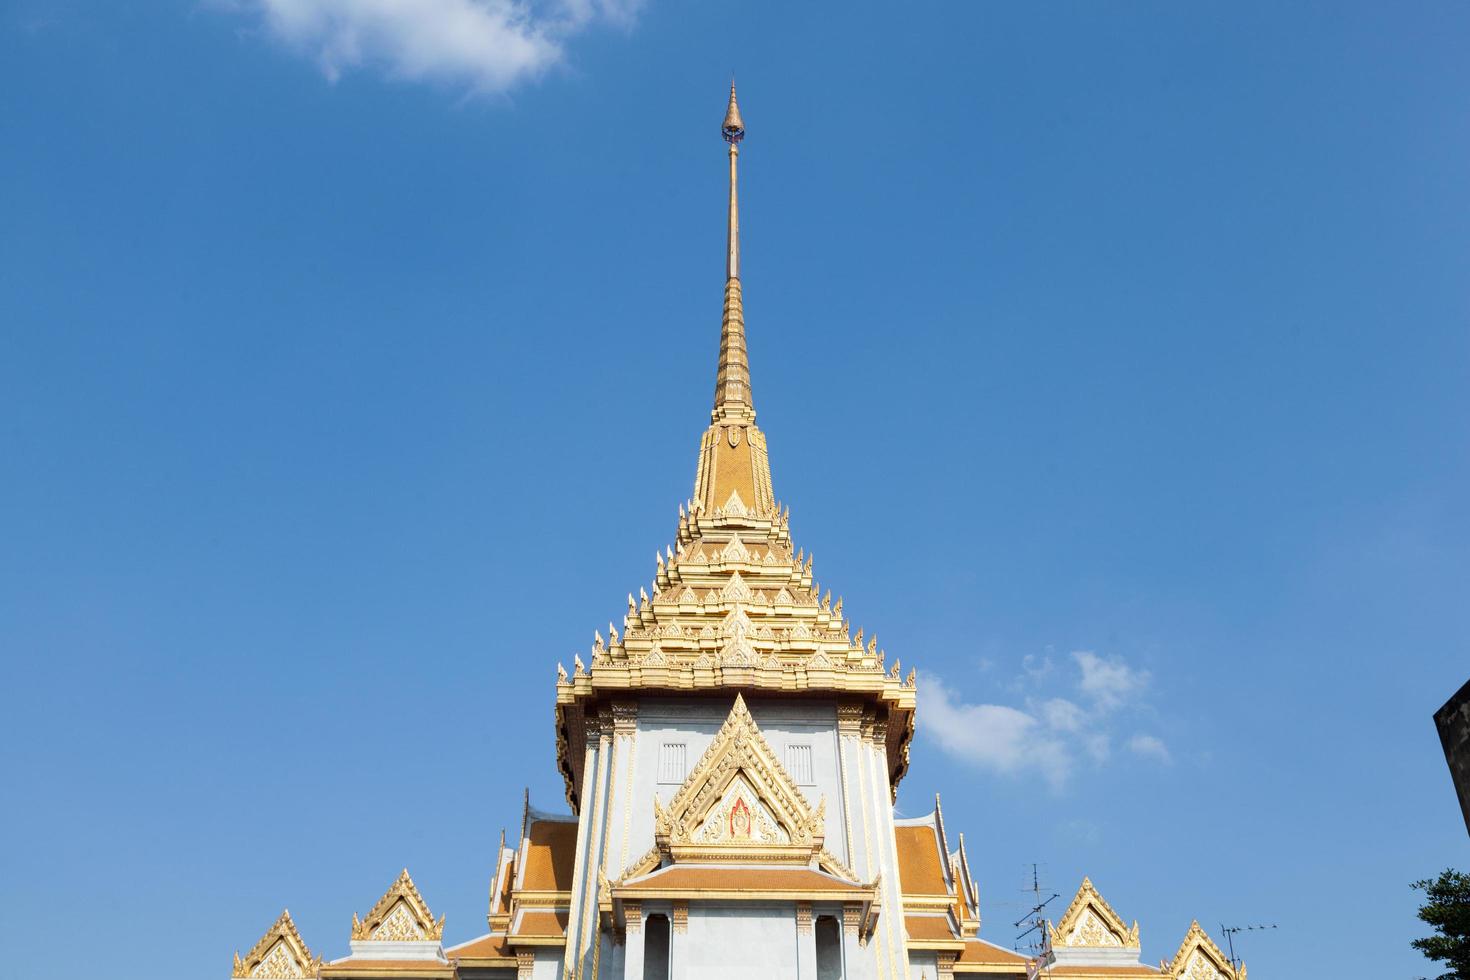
(1063, 715)
(990, 736)
(1151, 747)
(483, 45)
(1047, 733)
(1108, 681)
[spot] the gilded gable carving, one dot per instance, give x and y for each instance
(401, 915)
(1199, 958)
(1090, 931)
(1092, 923)
(280, 954)
(739, 796)
(739, 818)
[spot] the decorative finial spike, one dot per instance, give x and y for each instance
(733, 128)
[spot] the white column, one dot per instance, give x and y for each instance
(849, 734)
(893, 910)
(806, 943)
(633, 941)
(584, 877)
(859, 962)
(679, 942)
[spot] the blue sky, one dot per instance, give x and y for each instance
(1113, 360)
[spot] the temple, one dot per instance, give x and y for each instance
(731, 758)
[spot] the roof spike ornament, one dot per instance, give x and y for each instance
(733, 480)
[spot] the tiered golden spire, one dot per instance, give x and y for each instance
(732, 383)
(734, 473)
(733, 605)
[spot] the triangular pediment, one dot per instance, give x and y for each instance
(1091, 923)
(739, 803)
(280, 954)
(740, 817)
(401, 915)
(1199, 958)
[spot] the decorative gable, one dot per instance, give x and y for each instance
(740, 817)
(1091, 923)
(279, 955)
(739, 803)
(401, 915)
(1200, 959)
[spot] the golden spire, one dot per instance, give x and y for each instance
(732, 382)
(734, 474)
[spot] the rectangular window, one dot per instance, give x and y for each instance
(671, 762)
(799, 763)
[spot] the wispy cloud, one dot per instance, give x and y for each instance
(483, 46)
(1108, 680)
(1066, 719)
(1151, 747)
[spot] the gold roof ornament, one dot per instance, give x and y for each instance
(733, 553)
(280, 954)
(1091, 922)
(1199, 958)
(733, 127)
(401, 915)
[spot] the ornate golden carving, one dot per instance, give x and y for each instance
(400, 915)
(280, 954)
(739, 796)
(1091, 922)
(1199, 958)
(804, 918)
(681, 917)
(633, 914)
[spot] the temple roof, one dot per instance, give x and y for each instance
(735, 882)
(733, 604)
(1199, 958)
(549, 856)
(539, 924)
(401, 914)
(281, 952)
(491, 949)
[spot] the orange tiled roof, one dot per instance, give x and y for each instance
(1061, 971)
(551, 856)
(394, 968)
(979, 956)
(929, 928)
(540, 924)
(686, 880)
(493, 946)
(919, 870)
(505, 878)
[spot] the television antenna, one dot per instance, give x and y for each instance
(1034, 919)
(1230, 931)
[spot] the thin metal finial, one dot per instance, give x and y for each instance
(732, 383)
(733, 128)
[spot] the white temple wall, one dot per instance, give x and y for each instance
(924, 963)
(693, 723)
(738, 943)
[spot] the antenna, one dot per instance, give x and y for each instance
(1034, 919)
(1230, 931)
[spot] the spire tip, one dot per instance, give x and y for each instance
(733, 127)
